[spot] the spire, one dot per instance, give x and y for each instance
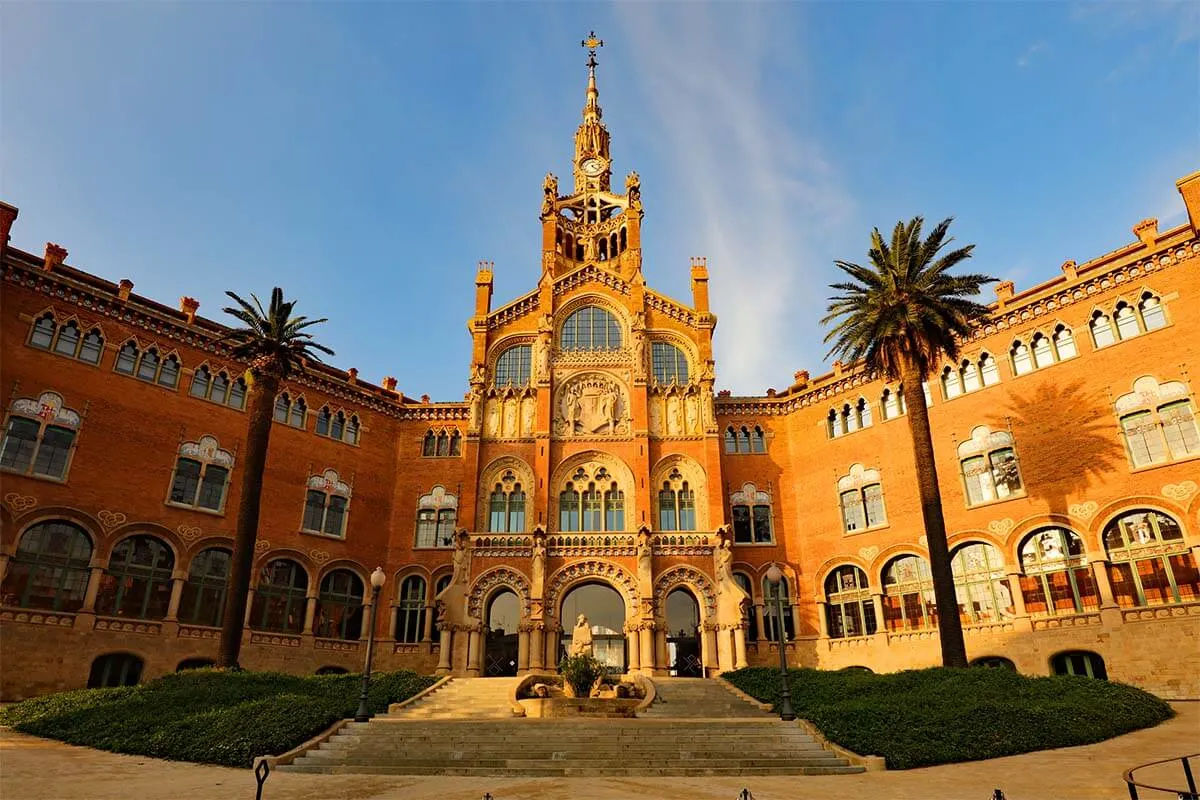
(592, 167)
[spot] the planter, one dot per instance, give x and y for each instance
(596, 707)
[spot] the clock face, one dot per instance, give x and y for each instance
(592, 166)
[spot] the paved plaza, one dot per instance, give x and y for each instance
(36, 769)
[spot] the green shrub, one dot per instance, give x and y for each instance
(208, 715)
(919, 718)
(581, 672)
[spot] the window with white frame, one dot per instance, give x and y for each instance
(218, 388)
(326, 503)
(849, 609)
(1064, 342)
(1102, 330)
(752, 522)
(850, 418)
(860, 495)
(201, 476)
(1158, 422)
(39, 436)
(410, 615)
(1150, 561)
(908, 602)
(989, 467)
(437, 513)
(67, 339)
(989, 370)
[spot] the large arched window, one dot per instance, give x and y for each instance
(50, 568)
(203, 598)
(591, 328)
(676, 507)
(980, 584)
(669, 363)
(137, 582)
(908, 602)
(506, 505)
(751, 512)
(989, 468)
(751, 618)
(1158, 422)
(280, 598)
(410, 616)
(513, 366)
(1056, 577)
(1151, 563)
(115, 669)
(771, 610)
(848, 606)
(860, 494)
(340, 606)
(201, 475)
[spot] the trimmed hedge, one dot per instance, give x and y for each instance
(919, 718)
(208, 715)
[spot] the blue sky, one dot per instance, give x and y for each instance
(366, 155)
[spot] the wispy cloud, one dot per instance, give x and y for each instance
(1031, 52)
(758, 190)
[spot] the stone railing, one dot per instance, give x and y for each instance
(1149, 614)
(1069, 621)
(139, 626)
(30, 616)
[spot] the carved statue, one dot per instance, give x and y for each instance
(462, 557)
(478, 374)
(581, 637)
(543, 359)
(451, 602)
(656, 415)
(693, 413)
(731, 597)
(493, 417)
(550, 192)
(528, 416)
(573, 409)
(537, 569)
(608, 409)
(546, 324)
(510, 416)
(645, 561)
(639, 352)
(633, 188)
(475, 399)
(674, 415)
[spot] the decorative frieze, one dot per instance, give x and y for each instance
(143, 627)
(29, 617)
(337, 645)
(275, 639)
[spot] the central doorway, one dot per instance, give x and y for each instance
(605, 610)
(683, 635)
(501, 636)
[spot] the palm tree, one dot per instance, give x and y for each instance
(901, 315)
(273, 345)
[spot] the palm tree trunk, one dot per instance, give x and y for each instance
(261, 407)
(954, 651)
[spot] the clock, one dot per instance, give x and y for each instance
(592, 166)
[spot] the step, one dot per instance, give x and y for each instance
(569, 772)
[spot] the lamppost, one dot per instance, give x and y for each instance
(378, 578)
(775, 576)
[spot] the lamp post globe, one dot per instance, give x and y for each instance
(378, 578)
(775, 576)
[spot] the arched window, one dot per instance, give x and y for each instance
(340, 606)
(323, 418)
(441, 443)
(50, 568)
(980, 584)
(676, 505)
(115, 669)
(892, 404)
(513, 366)
(1064, 342)
(771, 610)
(591, 328)
(201, 475)
(1151, 564)
(1022, 359)
(969, 373)
(989, 370)
(298, 415)
(743, 440)
(860, 494)
(591, 501)
(127, 358)
(219, 389)
(506, 505)
(1101, 328)
(280, 598)
(848, 606)
(1079, 662)
(150, 366)
(441, 583)
(568, 509)
(1127, 321)
(669, 363)
(751, 618)
(1158, 422)
(410, 617)
(1043, 352)
(1151, 310)
(908, 602)
(834, 424)
(194, 663)
(203, 598)
(137, 582)
(994, 662)
(951, 383)
(436, 514)
(751, 516)
(331, 669)
(989, 468)
(337, 428)
(40, 436)
(41, 335)
(1056, 577)
(353, 430)
(730, 440)
(758, 442)
(326, 502)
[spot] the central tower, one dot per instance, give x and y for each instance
(592, 225)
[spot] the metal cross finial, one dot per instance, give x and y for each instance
(591, 43)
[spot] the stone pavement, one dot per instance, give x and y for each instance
(36, 769)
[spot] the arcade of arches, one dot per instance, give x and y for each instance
(594, 467)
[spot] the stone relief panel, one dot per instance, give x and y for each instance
(679, 411)
(591, 405)
(510, 414)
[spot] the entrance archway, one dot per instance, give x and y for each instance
(605, 611)
(501, 634)
(683, 635)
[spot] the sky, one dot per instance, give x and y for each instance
(366, 156)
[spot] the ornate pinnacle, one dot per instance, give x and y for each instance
(592, 43)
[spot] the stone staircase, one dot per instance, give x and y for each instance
(463, 698)
(695, 727)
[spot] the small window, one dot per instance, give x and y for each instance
(1022, 359)
(296, 417)
(989, 370)
(1064, 342)
(68, 340)
(1079, 662)
(42, 334)
(994, 662)
(127, 358)
(1127, 322)
(1152, 312)
(115, 669)
(1102, 332)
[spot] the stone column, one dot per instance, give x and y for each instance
(1018, 596)
(794, 609)
(444, 637)
(177, 582)
(1103, 584)
(249, 606)
(93, 589)
(759, 617)
(880, 623)
(552, 639)
(523, 650)
(635, 656)
(739, 648)
(822, 619)
(364, 629)
(473, 654)
(708, 651)
(662, 660)
(427, 632)
(537, 647)
(646, 635)
(310, 614)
